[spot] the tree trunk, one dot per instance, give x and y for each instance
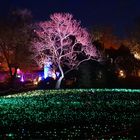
(58, 83)
(13, 77)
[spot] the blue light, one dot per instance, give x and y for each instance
(47, 69)
(57, 74)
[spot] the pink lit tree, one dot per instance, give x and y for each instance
(63, 42)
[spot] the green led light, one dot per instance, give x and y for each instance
(116, 106)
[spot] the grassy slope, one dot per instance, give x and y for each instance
(105, 112)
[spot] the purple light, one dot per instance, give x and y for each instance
(22, 79)
(57, 74)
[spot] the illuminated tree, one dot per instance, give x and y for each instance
(63, 42)
(133, 39)
(14, 41)
(134, 47)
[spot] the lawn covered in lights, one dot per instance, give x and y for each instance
(71, 113)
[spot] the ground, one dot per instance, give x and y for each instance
(71, 114)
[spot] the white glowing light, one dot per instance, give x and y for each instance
(136, 55)
(122, 74)
(53, 75)
(35, 82)
(39, 78)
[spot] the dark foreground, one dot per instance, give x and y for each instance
(71, 114)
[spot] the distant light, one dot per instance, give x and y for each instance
(47, 68)
(35, 82)
(122, 74)
(18, 76)
(22, 79)
(39, 78)
(138, 73)
(53, 75)
(18, 71)
(136, 55)
(57, 74)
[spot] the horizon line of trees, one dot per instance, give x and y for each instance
(22, 41)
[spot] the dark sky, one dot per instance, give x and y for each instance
(120, 14)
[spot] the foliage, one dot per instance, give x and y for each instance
(105, 36)
(15, 35)
(132, 40)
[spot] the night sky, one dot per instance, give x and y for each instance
(120, 14)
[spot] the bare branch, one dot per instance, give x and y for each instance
(63, 40)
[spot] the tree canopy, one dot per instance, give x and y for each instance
(64, 42)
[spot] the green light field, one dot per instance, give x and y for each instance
(102, 111)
